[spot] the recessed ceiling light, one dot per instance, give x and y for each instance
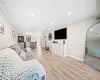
(99, 34)
(29, 23)
(52, 23)
(91, 29)
(69, 13)
(32, 15)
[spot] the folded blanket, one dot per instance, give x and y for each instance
(12, 67)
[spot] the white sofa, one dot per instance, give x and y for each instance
(12, 67)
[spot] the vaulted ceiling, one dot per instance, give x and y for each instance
(32, 15)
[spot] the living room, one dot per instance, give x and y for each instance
(48, 40)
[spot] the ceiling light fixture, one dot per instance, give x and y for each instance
(69, 13)
(52, 23)
(32, 15)
(91, 29)
(99, 34)
(29, 23)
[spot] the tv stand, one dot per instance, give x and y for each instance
(59, 48)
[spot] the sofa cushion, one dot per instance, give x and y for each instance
(16, 48)
(23, 55)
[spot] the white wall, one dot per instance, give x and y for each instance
(34, 36)
(76, 37)
(45, 42)
(49, 43)
(42, 40)
(6, 39)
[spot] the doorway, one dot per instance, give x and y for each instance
(92, 53)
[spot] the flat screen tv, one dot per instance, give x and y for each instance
(60, 34)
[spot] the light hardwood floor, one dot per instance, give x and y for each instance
(59, 68)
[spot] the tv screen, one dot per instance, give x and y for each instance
(60, 34)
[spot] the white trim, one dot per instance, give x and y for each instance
(80, 59)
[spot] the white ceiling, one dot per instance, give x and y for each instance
(47, 14)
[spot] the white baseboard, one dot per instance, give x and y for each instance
(80, 59)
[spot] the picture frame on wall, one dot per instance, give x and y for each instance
(13, 34)
(50, 36)
(2, 28)
(20, 38)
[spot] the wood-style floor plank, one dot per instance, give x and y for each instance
(60, 68)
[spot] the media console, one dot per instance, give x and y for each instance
(59, 48)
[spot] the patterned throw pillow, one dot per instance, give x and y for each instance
(20, 52)
(16, 48)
